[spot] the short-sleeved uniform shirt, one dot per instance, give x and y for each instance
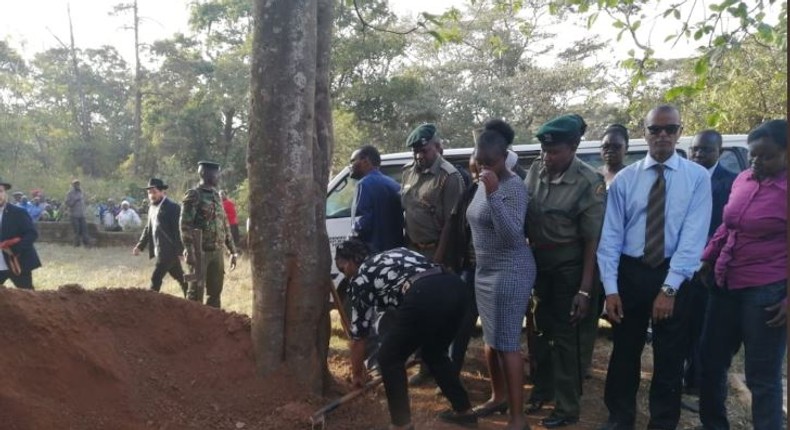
(428, 198)
(378, 283)
(569, 209)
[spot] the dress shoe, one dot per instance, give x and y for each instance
(468, 419)
(535, 406)
(555, 421)
(486, 411)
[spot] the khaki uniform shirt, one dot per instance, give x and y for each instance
(567, 210)
(428, 199)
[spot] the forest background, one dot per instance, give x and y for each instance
(69, 112)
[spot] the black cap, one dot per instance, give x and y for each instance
(208, 165)
(156, 183)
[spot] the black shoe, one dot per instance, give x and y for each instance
(535, 406)
(486, 411)
(554, 421)
(468, 419)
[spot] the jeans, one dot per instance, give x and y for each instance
(735, 317)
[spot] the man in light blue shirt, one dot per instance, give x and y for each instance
(655, 228)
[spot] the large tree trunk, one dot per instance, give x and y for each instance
(288, 162)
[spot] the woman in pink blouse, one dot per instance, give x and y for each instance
(747, 258)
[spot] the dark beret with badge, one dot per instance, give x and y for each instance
(421, 135)
(208, 165)
(562, 129)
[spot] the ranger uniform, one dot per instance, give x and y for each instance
(564, 213)
(202, 209)
(431, 187)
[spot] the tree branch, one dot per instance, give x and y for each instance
(384, 30)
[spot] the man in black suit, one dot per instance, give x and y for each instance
(163, 234)
(705, 150)
(17, 234)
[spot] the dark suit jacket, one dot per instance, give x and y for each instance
(17, 223)
(721, 185)
(168, 235)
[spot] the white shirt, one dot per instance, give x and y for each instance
(153, 212)
(128, 218)
(712, 169)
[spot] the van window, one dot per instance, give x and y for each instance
(339, 200)
(594, 158)
(734, 159)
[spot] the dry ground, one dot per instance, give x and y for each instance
(117, 268)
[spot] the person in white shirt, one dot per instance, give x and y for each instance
(128, 218)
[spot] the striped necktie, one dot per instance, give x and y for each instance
(654, 228)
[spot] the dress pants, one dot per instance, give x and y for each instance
(428, 317)
(24, 280)
(165, 265)
(461, 342)
(638, 286)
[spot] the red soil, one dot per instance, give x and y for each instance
(133, 359)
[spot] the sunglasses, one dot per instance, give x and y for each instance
(670, 129)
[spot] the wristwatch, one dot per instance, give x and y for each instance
(669, 290)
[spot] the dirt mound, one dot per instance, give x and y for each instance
(133, 359)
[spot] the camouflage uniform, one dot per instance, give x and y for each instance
(202, 209)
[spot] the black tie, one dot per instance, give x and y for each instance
(654, 229)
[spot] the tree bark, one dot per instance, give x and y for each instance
(288, 163)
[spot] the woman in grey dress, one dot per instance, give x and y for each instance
(505, 270)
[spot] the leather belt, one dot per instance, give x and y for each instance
(437, 270)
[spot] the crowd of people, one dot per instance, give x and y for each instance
(195, 232)
(680, 247)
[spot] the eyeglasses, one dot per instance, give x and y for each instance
(670, 129)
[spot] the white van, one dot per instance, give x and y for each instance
(342, 188)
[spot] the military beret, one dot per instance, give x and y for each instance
(208, 165)
(562, 129)
(421, 135)
(5, 184)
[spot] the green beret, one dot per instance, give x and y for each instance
(421, 135)
(562, 129)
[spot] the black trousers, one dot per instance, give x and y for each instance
(428, 317)
(698, 303)
(638, 287)
(461, 342)
(23, 281)
(171, 265)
